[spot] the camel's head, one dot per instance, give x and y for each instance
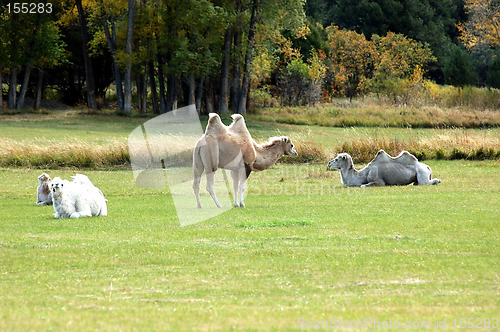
(343, 160)
(44, 178)
(57, 185)
(289, 147)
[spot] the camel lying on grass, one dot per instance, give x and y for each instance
(232, 148)
(384, 170)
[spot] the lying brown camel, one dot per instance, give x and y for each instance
(232, 148)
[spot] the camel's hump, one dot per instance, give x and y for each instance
(215, 125)
(238, 126)
(404, 158)
(237, 117)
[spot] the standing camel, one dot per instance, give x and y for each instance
(232, 148)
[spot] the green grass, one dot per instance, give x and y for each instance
(305, 247)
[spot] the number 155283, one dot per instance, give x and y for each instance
(29, 8)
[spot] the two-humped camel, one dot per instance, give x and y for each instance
(384, 170)
(232, 148)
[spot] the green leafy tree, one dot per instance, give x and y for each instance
(27, 41)
(494, 73)
(459, 69)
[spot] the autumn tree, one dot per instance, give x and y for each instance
(483, 25)
(351, 61)
(397, 57)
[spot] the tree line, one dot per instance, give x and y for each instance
(219, 54)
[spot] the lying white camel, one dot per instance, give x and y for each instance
(232, 148)
(384, 170)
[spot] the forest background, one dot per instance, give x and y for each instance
(235, 55)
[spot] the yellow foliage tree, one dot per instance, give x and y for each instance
(351, 61)
(483, 26)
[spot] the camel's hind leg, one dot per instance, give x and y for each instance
(236, 184)
(197, 172)
(209, 160)
(242, 173)
(210, 187)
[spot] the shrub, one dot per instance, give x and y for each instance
(296, 86)
(262, 97)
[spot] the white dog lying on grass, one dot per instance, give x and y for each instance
(79, 198)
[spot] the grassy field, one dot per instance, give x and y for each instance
(304, 249)
(370, 113)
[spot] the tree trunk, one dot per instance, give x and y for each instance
(11, 102)
(171, 91)
(245, 86)
(199, 95)
(143, 94)
(223, 107)
(139, 83)
(1, 88)
(127, 105)
(111, 39)
(209, 96)
(24, 86)
(89, 73)
(161, 80)
(236, 80)
(39, 89)
(152, 85)
(191, 89)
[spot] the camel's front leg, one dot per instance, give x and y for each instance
(82, 210)
(373, 178)
(210, 187)
(371, 184)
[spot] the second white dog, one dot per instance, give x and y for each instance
(76, 199)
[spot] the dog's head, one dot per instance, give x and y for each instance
(57, 185)
(44, 178)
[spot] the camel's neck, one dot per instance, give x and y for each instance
(45, 189)
(352, 177)
(56, 195)
(266, 155)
